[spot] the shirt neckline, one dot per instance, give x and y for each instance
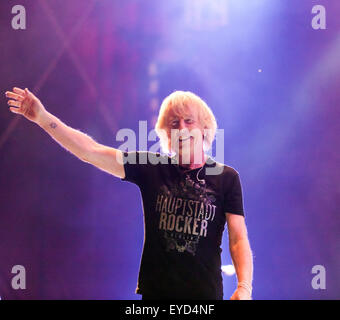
(208, 163)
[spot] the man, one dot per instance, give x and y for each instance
(185, 208)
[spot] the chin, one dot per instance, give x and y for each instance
(185, 155)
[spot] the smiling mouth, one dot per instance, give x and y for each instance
(181, 140)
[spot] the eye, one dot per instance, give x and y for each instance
(174, 123)
(189, 120)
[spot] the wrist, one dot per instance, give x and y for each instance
(245, 285)
(43, 118)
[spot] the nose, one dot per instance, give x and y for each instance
(182, 125)
(183, 128)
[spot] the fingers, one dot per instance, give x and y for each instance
(14, 96)
(18, 98)
(18, 91)
(15, 110)
(14, 103)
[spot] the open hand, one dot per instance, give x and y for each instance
(25, 103)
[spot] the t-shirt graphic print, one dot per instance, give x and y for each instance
(185, 210)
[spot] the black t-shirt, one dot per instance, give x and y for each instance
(184, 219)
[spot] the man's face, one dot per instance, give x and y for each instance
(185, 134)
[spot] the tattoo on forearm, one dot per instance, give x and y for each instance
(53, 125)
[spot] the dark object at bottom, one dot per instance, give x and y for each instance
(148, 296)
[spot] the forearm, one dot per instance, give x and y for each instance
(76, 142)
(242, 258)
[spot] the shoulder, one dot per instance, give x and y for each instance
(226, 171)
(229, 171)
(228, 175)
(145, 157)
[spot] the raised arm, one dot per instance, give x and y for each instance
(108, 159)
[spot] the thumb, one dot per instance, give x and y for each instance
(29, 93)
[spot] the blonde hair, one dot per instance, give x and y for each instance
(178, 102)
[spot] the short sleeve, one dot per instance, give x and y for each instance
(233, 198)
(140, 166)
(134, 166)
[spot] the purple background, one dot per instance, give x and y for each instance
(79, 231)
